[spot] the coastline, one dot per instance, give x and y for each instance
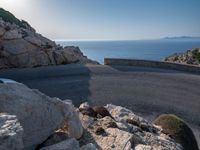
(146, 87)
(136, 49)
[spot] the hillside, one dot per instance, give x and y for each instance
(188, 57)
(21, 46)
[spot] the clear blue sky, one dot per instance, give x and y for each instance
(109, 19)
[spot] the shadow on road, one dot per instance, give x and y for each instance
(65, 81)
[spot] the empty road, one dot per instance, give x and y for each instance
(144, 90)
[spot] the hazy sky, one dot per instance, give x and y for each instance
(109, 19)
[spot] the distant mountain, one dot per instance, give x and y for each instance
(182, 37)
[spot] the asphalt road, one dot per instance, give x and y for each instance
(144, 90)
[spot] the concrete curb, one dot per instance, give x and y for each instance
(152, 64)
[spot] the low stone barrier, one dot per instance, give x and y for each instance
(152, 64)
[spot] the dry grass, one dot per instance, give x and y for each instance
(177, 129)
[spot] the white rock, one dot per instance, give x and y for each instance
(143, 147)
(11, 133)
(84, 105)
(73, 122)
(121, 114)
(116, 140)
(156, 147)
(38, 114)
(86, 120)
(69, 144)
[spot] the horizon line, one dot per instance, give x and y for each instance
(162, 38)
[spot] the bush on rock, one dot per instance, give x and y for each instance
(177, 129)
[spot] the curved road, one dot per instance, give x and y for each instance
(144, 90)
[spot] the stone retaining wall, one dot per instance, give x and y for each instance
(152, 64)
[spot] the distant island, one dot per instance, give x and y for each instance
(182, 37)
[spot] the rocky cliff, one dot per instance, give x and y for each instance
(21, 46)
(188, 57)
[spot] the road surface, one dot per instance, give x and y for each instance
(144, 90)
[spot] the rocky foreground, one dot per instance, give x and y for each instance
(189, 57)
(31, 120)
(21, 46)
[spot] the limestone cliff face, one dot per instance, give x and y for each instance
(21, 46)
(188, 57)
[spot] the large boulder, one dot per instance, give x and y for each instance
(11, 133)
(38, 114)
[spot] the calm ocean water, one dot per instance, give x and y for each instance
(137, 49)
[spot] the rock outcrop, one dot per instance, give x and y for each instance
(21, 46)
(189, 57)
(124, 131)
(11, 133)
(38, 114)
(31, 120)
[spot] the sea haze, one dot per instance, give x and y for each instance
(137, 49)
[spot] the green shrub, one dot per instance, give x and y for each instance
(9, 17)
(196, 54)
(177, 129)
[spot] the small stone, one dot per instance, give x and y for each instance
(101, 111)
(133, 122)
(112, 125)
(113, 146)
(88, 111)
(84, 105)
(145, 127)
(100, 131)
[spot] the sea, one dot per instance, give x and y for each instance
(132, 49)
